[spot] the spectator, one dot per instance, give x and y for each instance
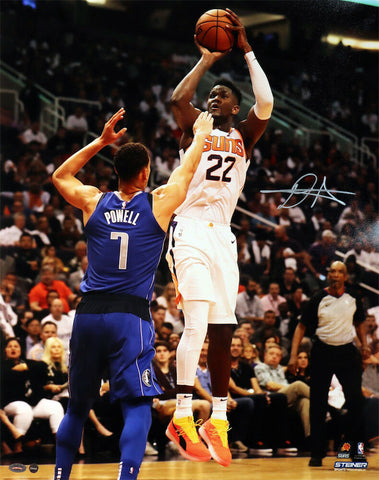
(75, 278)
(250, 354)
(323, 252)
(35, 199)
(287, 252)
(260, 226)
(48, 329)
(158, 313)
(303, 372)
(173, 315)
(315, 225)
(168, 291)
(22, 390)
(271, 377)
(296, 306)
(56, 386)
(34, 134)
(67, 238)
(33, 327)
(50, 257)
(165, 331)
(272, 300)
(63, 322)
(249, 305)
(10, 236)
(38, 294)
(267, 328)
(288, 283)
(76, 124)
(351, 214)
(42, 234)
(270, 417)
(13, 292)
(27, 259)
(173, 342)
(260, 256)
(80, 252)
(358, 252)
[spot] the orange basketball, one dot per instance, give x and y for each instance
(211, 31)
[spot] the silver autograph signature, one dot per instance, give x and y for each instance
(309, 191)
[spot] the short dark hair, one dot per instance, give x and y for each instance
(227, 83)
(168, 325)
(161, 343)
(130, 160)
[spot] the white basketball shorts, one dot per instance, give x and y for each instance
(202, 257)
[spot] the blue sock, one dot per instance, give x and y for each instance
(137, 422)
(68, 438)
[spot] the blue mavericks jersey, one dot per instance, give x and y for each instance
(124, 246)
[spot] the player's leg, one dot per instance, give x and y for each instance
(182, 430)
(214, 431)
(86, 363)
(137, 421)
(225, 276)
(69, 435)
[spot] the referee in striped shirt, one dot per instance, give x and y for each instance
(330, 316)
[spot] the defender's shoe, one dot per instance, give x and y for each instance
(182, 431)
(214, 432)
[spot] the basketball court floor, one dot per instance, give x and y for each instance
(240, 469)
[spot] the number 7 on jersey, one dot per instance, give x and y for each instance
(123, 248)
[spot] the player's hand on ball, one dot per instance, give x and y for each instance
(212, 57)
(240, 32)
(203, 124)
(109, 135)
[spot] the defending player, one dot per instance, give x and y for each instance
(125, 232)
(202, 252)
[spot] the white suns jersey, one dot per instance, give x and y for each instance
(219, 179)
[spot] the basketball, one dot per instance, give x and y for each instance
(211, 31)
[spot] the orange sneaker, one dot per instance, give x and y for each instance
(214, 432)
(182, 431)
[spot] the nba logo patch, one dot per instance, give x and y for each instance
(360, 448)
(146, 377)
(131, 470)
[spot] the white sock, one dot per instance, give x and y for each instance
(183, 405)
(219, 408)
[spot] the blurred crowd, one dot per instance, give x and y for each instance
(283, 253)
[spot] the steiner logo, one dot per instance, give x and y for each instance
(350, 465)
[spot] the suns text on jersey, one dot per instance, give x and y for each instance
(224, 144)
(121, 216)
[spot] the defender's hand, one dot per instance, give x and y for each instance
(108, 135)
(203, 124)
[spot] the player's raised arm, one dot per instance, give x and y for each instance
(168, 197)
(64, 179)
(261, 87)
(185, 113)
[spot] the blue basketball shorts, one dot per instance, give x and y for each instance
(121, 341)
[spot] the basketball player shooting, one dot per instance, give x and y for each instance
(202, 252)
(125, 233)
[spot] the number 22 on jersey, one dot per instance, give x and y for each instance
(220, 169)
